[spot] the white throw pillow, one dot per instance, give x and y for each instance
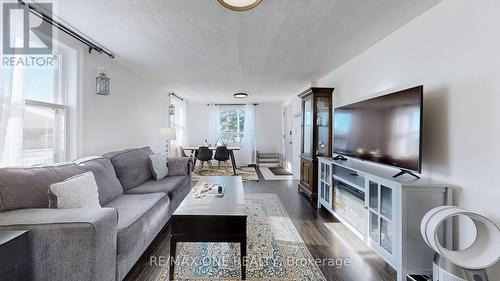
(158, 165)
(76, 192)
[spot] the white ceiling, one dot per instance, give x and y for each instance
(204, 52)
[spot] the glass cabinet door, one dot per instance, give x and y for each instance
(307, 126)
(323, 125)
(380, 202)
(325, 184)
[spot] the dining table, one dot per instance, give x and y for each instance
(231, 150)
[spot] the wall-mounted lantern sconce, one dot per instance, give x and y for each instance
(102, 84)
(171, 107)
(171, 110)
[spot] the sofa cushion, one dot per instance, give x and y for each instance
(138, 215)
(27, 187)
(166, 185)
(108, 184)
(131, 166)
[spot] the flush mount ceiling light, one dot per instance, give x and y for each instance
(240, 95)
(240, 5)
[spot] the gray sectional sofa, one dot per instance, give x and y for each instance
(92, 244)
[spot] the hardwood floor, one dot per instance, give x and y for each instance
(324, 236)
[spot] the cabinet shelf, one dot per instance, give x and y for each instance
(361, 188)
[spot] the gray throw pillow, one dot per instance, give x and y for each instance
(158, 165)
(178, 166)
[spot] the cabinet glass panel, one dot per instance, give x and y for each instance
(336, 197)
(308, 126)
(374, 233)
(323, 123)
(328, 176)
(322, 171)
(323, 191)
(386, 235)
(386, 201)
(373, 195)
(327, 193)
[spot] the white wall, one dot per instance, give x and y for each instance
(454, 51)
(268, 122)
(296, 104)
(198, 123)
(130, 117)
(268, 127)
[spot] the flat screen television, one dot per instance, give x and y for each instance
(386, 129)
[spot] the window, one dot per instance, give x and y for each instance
(44, 116)
(231, 122)
(179, 121)
(35, 111)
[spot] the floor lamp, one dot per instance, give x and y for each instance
(168, 134)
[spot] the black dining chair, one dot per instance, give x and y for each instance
(222, 155)
(204, 155)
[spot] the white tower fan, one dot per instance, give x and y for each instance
(465, 265)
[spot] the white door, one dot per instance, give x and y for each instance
(288, 137)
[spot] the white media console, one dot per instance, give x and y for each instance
(383, 211)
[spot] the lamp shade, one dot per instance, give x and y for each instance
(168, 133)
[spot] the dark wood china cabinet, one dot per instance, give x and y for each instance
(316, 137)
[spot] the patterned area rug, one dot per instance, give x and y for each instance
(275, 249)
(247, 173)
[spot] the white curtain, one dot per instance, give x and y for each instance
(248, 142)
(12, 92)
(179, 122)
(214, 124)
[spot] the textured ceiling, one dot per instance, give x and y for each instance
(205, 52)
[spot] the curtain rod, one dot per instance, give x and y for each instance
(92, 46)
(173, 94)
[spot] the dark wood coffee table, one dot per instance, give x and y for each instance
(212, 219)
